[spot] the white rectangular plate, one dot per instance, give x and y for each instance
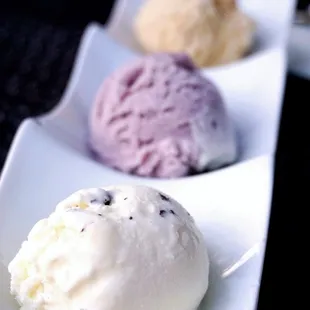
(48, 159)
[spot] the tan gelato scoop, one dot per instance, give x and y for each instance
(212, 32)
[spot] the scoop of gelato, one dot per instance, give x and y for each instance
(159, 117)
(112, 249)
(212, 32)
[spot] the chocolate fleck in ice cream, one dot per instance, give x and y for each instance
(112, 248)
(159, 117)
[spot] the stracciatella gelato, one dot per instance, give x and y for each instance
(212, 32)
(112, 249)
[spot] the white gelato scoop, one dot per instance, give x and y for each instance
(119, 248)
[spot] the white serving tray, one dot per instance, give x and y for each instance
(299, 51)
(48, 158)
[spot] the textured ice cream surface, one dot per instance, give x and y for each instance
(112, 249)
(212, 32)
(159, 117)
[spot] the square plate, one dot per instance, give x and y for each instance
(48, 159)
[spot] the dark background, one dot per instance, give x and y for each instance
(38, 43)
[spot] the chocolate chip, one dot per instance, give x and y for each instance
(130, 217)
(163, 197)
(172, 212)
(125, 198)
(162, 213)
(83, 229)
(108, 200)
(99, 214)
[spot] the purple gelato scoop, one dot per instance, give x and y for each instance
(159, 117)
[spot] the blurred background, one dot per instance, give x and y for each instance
(38, 44)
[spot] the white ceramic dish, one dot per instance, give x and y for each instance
(231, 207)
(48, 160)
(252, 87)
(299, 51)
